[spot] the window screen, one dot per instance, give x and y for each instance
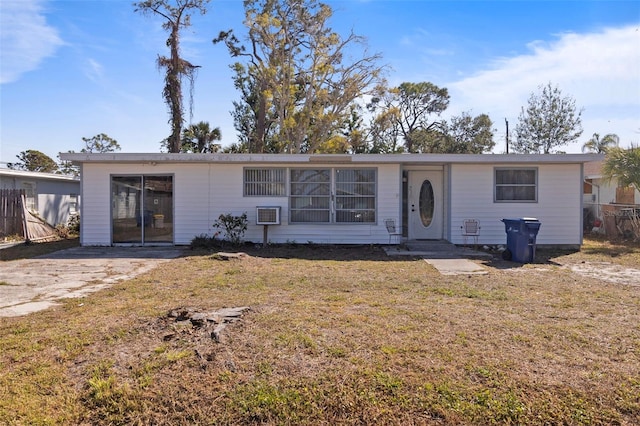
(356, 195)
(516, 185)
(310, 197)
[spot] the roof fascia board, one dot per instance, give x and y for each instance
(149, 158)
(37, 175)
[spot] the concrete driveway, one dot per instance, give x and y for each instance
(30, 285)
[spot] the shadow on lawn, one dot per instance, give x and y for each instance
(30, 250)
(542, 257)
(305, 252)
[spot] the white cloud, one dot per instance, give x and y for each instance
(93, 70)
(26, 38)
(600, 70)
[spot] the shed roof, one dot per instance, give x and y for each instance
(37, 175)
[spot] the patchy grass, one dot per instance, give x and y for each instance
(620, 252)
(334, 335)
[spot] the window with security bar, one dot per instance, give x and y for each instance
(265, 182)
(310, 196)
(355, 191)
(338, 195)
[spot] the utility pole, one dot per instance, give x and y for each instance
(507, 123)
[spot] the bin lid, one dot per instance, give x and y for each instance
(529, 219)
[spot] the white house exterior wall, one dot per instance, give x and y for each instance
(191, 200)
(557, 208)
(204, 191)
(95, 216)
(228, 198)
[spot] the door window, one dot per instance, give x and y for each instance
(426, 203)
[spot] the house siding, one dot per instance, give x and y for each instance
(228, 198)
(192, 202)
(207, 186)
(557, 207)
(204, 191)
(95, 216)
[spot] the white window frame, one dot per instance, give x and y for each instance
(501, 199)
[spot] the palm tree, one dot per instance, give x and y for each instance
(600, 146)
(623, 165)
(199, 137)
(177, 16)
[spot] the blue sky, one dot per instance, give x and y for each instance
(73, 69)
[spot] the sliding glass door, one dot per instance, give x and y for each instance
(142, 209)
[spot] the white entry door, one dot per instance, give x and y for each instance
(425, 205)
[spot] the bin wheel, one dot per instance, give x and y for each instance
(507, 255)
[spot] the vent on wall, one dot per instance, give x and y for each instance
(268, 215)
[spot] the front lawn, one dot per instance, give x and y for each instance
(335, 336)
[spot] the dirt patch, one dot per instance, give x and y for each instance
(607, 271)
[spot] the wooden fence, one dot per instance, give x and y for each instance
(17, 220)
(11, 213)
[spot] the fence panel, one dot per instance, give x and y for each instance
(11, 219)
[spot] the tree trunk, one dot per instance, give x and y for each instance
(175, 92)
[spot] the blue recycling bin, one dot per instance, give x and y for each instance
(521, 239)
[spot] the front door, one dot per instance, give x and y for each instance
(425, 205)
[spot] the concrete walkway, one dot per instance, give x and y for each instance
(30, 285)
(447, 258)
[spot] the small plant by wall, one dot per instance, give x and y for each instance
(71, 229)
(233, 227)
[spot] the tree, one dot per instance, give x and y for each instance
(384, 132)
(199, 138)
(177, 17)
(100, 143)
(468, 135)
(67, 167)
(354, 132)
(549, 121)
(296, 87)
(410, 107)
(34, 161)
(623, 165)
(600, 146)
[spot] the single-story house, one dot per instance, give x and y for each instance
(53, 197)
(338, 199)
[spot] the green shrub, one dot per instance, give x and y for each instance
(234, 227)
(204, 241)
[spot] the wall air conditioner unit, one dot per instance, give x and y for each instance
(268, 215)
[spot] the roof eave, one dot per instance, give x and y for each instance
(78, 158)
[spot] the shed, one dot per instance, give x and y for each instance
(53, 197)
